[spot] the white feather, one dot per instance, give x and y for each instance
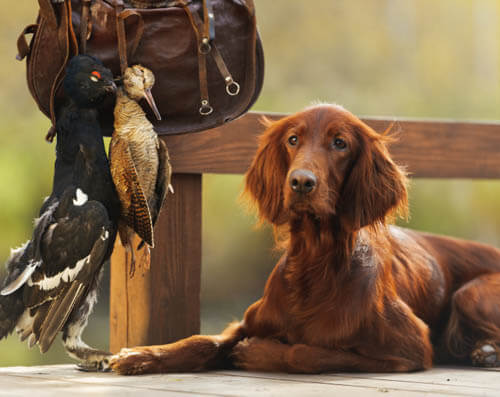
(67, 275)
(21, 279)
(81, 198)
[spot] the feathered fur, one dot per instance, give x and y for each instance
(351, 292)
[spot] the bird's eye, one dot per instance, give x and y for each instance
(293, 140)
(339, 144)
(95, 76)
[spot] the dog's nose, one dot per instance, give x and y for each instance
(302, 181)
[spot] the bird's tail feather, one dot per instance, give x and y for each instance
(58, 313)
(11, 309)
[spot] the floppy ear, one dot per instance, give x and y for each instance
(375, 187)
(266, 176)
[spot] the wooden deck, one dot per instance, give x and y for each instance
(64, 380)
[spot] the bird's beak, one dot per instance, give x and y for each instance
(110, 87)
(152, 104)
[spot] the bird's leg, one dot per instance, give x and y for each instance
(126, 236)
(146, 257)
(129, 250)
(90, 359)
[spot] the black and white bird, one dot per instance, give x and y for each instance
(52, 280)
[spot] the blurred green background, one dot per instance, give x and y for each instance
(412, 58)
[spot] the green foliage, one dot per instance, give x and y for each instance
(415, 58)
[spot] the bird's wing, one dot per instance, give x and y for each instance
(73, 248)
(25, 260)
(71, 294)
(163, 181)
(57, 314)
(135, 209)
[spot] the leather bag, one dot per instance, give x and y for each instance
(206, 55)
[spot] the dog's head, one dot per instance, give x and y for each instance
(324, 161)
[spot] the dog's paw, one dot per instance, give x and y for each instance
(486, 354)
(133, 361)
(256, 354)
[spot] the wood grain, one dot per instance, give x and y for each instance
(64, 380)
(161, 304)
(429, 149)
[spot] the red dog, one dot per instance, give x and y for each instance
(350, 293)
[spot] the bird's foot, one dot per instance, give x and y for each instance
(100, 365)
(90, 360)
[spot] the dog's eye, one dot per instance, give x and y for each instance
(339, 144)
(293, 140)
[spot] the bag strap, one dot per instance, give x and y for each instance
(121, 34)
(203, 49)
(67, 39)
(23, 48)
(84, 26)
(48, 12)
(207, 45)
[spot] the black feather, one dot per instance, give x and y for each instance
(75, 233)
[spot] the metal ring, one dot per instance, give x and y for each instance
(205, 108)
(233, 91)
(205, 46)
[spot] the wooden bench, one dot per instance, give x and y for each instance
(163, 304)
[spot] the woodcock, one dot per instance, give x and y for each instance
(140, 164)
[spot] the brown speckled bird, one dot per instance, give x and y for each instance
(140, 164)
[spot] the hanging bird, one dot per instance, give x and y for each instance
(140, 163)
(52, 280)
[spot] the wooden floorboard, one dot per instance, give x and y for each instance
(64, 380)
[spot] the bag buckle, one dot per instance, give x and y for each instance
(205, 108)
(232, 87)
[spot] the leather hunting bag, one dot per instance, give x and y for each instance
(206, 55)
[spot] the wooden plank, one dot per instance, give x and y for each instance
(161, 304)
(60, 380)
(430, 149)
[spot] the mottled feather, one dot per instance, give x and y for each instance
(139, 159)
(134, 206)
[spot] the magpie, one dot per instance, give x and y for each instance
(52, 279)
(140, 163)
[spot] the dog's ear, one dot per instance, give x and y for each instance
(266, 176)
(375, 186)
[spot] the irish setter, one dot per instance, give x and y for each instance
(350, 292)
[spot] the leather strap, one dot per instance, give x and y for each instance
(23, 48)
(84, 26)
(140, 29)
(121, 16)
(48, 12)
(121, 36)
(67, 40)
(205, 107)
(232, 87)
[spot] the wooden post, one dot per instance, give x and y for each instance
(162, 304)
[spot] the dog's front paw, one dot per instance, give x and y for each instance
(486, 354)
(133, 361)
(256, 354)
